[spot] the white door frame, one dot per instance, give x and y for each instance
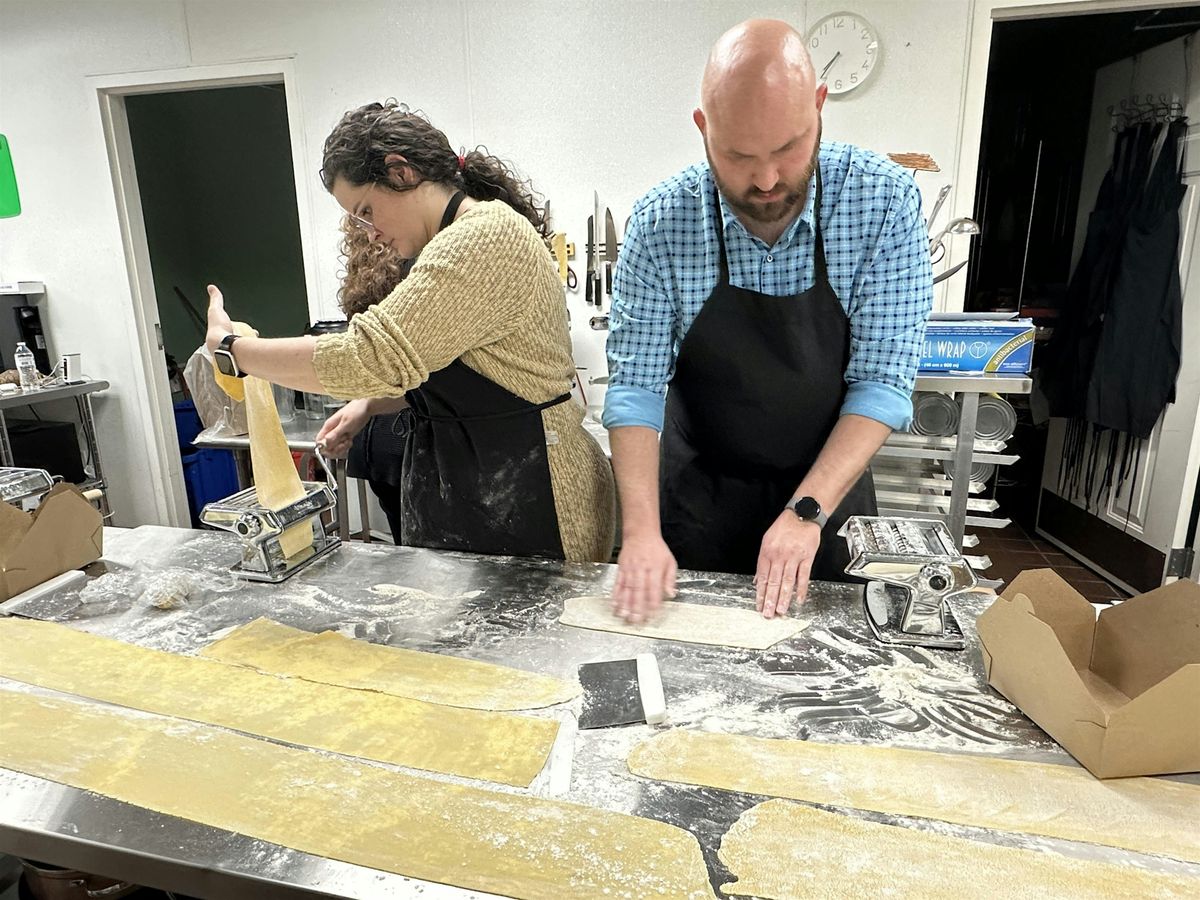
(111, 90)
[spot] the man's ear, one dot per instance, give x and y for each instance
(400, 173)
(822, 93)
(698, 118)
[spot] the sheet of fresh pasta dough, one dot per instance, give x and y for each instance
(694, 623)
(491, 746)
(1141, 814)
(276, 482)
(510, 844)
(782, 850)
(332, 658)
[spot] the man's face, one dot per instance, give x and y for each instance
(763, 159)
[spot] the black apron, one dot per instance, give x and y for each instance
(377, 456)
(758, 386)
(1139, 352)
(474, 473)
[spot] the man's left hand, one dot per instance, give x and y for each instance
(219, 323)
(784, 563)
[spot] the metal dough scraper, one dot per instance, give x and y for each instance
(622, 692)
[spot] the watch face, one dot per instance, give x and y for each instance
(225, 363)
(844, 50)
(807, 508)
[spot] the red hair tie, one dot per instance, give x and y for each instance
(462, 163)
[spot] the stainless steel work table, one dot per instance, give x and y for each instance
(858, 692)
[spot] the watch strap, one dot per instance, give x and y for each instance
(225, 348)
(820, 518)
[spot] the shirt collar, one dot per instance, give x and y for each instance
(732, 224)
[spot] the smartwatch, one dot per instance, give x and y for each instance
(808, 510)
(223, 356)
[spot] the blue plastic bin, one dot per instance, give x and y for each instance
(208, 475)
(187, 422)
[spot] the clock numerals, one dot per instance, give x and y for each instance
(845, 49)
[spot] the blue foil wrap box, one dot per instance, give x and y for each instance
(1002, 347)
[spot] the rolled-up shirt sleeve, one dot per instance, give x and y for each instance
(642, 332)
(891, 302)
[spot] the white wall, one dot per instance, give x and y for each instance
(582, 95)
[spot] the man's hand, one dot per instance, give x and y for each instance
(339, 430)
(784, 563)
(645, 574)
(219, 323)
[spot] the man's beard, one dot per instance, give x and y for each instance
(749, 205)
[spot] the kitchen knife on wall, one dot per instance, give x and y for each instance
(598, 289)
(589, 277)
(610, 250)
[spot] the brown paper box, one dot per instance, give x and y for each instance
(65, 532)
(1121, 693)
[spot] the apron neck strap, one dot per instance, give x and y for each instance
(452, 209)
(819, 248)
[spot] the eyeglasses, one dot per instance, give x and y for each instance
(362, 221)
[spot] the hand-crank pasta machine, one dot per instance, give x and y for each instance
(913, 571)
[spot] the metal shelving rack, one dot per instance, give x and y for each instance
(82, 395)
(904, 487)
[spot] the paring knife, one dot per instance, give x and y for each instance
(610, 250)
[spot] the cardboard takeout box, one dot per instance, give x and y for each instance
(1120, 692)
(65, 532)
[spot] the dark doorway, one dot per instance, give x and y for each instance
(1033, 193)
(214, 171)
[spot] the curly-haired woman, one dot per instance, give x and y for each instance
(475, 340)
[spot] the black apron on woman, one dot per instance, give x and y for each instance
(474, 473)
(758, 387)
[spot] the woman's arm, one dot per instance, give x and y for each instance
(285, 361)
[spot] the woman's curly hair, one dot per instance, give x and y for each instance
(371, 270)
(355, 150)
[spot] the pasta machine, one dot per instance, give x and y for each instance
(913, 570)
(23, 488)
(261, 528)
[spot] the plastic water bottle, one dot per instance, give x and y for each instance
(26, 368)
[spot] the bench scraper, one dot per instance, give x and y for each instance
(622, 692)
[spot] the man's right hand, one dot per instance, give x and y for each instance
(645, 574)
(339, 429)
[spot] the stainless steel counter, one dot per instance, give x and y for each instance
(504, 610)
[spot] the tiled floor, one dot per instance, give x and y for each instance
(1012, 550)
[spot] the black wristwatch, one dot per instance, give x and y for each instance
(809, 510)
(223, 356)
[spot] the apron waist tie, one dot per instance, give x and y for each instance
(506, 414)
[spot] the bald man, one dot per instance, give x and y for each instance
(781, 289)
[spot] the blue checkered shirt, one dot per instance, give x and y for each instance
(877, 256)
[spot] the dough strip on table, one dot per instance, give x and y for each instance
(1150, 815)
(500, 747)
(782, 850)
(694, 623)
(332, 658)
(510, 844)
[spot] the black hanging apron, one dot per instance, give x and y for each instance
(475, 475)
(1139, 352)
(758, 387)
